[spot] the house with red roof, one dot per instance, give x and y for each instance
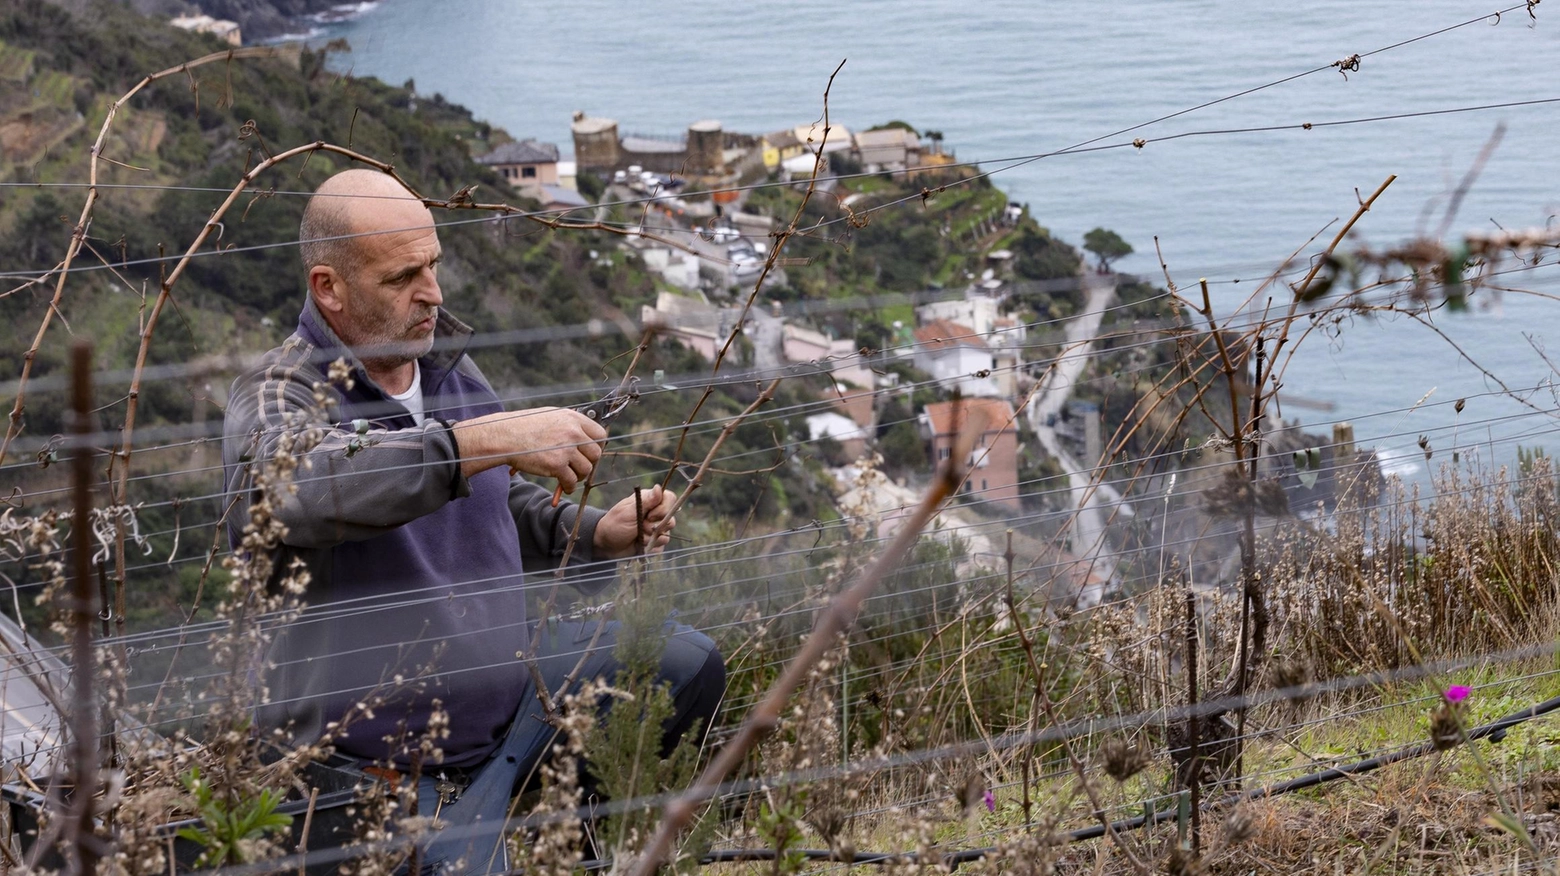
(993, 462)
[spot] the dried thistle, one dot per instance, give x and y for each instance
(1182, 863)
(1291, 674)
(1123, 760)
(1446, 727)
(970, 792)
(1239, 826)
(1235, 495)
(558, 844)
(831, 822)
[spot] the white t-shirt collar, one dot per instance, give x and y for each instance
(412, 399)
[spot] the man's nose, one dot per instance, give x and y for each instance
(428, 291)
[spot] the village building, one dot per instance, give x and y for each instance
(851, 390)
(979, 313)
(559, 199)
(675, 266)
(1004, 336)
(852, 437)
(567, 175)
(956, 357)
(525, 164)
(688, 320)
(993, 461)
(1006, 341)
(888, 149)
(800, 344)
(704, 150)
(802, 166)
(813, 140)
(221, 28)
(780, 146)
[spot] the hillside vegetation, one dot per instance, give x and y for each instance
(171, 157)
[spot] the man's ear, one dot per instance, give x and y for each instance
(327, 288)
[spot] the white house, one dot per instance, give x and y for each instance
(956, 357)
(812, 138)
(679, 268)
(851, 436)
(979, 313)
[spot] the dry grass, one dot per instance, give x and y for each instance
(1391, 587)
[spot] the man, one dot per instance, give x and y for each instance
(415, 528)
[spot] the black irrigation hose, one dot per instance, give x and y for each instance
(733, 856)
(1495, 731)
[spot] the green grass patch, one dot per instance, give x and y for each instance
(54, 88)
(951, 269)
(987, 202)
(16, 63)
(905, 313)
(869, 185)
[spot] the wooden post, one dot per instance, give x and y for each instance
(1252, 615)
(1194, 785)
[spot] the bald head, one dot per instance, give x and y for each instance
(354, 202)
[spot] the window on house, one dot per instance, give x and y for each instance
(528, 172)
(943, 453)
(983, 485)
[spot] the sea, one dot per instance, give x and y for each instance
(1006, 81)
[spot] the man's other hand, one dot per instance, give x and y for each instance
(546, 442)
(618, 537)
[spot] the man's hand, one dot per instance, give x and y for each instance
(547, 442)
(618, 537)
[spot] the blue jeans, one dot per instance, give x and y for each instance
(473, 840)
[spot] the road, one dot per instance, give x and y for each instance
(767, 332)
(1045, 404)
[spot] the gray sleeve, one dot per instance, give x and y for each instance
(544, 537)
(348, 486)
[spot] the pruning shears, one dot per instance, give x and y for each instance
(603, 409)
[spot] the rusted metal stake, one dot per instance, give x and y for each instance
(83, 717)
(110, 735)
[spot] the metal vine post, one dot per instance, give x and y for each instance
(80, 839)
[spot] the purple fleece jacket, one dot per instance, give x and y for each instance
(415, 570)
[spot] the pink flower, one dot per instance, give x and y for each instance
(1457, 693)
(991, 801)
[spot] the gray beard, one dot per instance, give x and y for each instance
(381, 349)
